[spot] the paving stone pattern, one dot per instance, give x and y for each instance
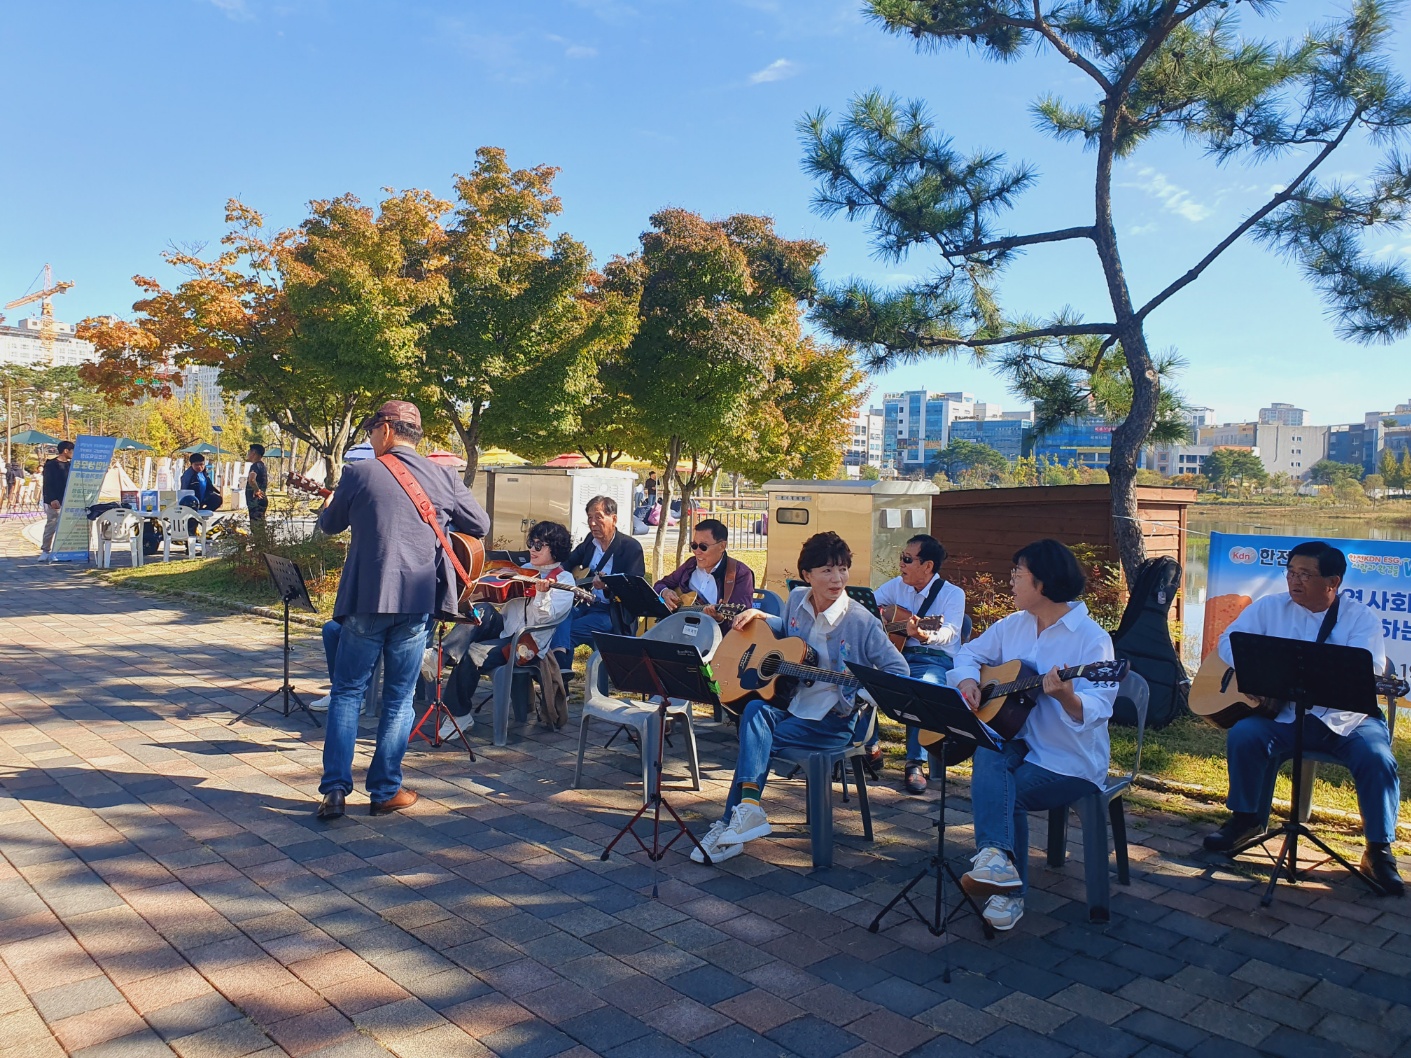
(165, 889)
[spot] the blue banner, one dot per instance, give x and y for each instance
(1246, 567)
(91, 458)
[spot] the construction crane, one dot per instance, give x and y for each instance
(47, 330)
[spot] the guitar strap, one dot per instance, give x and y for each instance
(424, 507)
(931, 596)
(1329, 619)
(732, 566)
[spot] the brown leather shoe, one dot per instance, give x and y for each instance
(403, 798)
(331, 807)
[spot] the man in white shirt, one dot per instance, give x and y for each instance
(924, 593)
(1061, 752)
(821, 715)
(1257, 745)
(713, 575)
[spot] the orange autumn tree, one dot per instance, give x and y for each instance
(318, 324)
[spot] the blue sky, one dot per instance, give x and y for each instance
(128, 125)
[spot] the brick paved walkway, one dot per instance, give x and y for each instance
(164, 888)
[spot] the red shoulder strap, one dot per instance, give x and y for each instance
(424, 507)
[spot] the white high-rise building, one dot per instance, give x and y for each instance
(23, 346)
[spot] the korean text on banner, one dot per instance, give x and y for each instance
(1245, 567)
(91, 458)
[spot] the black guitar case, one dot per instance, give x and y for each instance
(1144, 639)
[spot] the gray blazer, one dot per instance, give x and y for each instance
(395, 563)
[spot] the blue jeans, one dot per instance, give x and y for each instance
(1004, 789)
(1257, 746)
(331, 631)
(932, 668)
(586, 621)
(400, 639)
(765, 730)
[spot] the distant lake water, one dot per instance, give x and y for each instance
(1204, 520)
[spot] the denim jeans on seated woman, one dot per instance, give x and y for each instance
(1004, 789)
(932, 668)
(400, 640)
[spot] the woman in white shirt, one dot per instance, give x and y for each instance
(1061, 753)
(496, 639)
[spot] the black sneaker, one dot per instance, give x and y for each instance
(1380, 862)
(1239, 828)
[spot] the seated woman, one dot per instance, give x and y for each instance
(820, 716)
(525, 626)
(1061, 752)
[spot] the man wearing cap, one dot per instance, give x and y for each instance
(396, 577)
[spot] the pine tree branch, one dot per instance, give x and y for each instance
(1254, 218)
(1064, 331)
(1012, 242)
(1063, 48)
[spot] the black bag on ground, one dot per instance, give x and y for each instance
(1144, 639)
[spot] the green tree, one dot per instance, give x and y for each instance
(1234, 466)
(962, 458)
(515, 349)
(1390, 470)
(719, 315)
(1330, 472)
(319, 324)
(1405, 466)
(1174, 67)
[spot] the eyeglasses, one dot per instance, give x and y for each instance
(697, 546)
(538, 545)
(1302, 576)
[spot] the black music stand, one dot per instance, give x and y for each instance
(931, 707)
(1307, 675)
(637, 596)
(668, 670)
(438, 707)
(288, 580)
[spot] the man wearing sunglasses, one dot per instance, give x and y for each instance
(713, 575)
(1313, 610)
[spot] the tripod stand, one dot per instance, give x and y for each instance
(437, 709)
(931, 707)
(668, 670)
(288, 580)
(1306, 674)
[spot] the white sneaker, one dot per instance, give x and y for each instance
(747, 822)
(321, 706)
(1003, 912)
(992, 875)
(448, 729)
(710, 843)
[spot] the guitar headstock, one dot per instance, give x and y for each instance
(1105, 671)
(299, 483)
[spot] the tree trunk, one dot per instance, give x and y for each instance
(469, 433)
(673, 453)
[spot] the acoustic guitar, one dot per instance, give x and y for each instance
(725, 612)
(469, 551)
(501, 585)
(1215, 694)
(750, 660)
(896, 618)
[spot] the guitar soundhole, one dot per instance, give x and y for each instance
(769, 667)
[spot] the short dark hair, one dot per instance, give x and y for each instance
(404, 431)
(555, 536)
(65, 446)
(824, 549)
(1331, 561)
(196, 457)
(929, 549)
(607, 503)
(715, 527)
(1055, 567)
(258, 449)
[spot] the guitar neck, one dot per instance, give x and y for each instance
(813, 672)
(1029, 683)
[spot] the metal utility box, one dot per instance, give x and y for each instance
(876, 518)
(517, 497)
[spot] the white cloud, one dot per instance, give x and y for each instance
(1174, 198)
(233, 9)
(607, 10)
(580, 51)
(778, 70)
(1142, 229)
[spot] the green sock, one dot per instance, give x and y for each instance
(749, 793)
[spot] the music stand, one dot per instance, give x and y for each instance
(668, 670)
(288, 580)
(931, 707)
(636, 595)
(438, 707)
(1307, 675)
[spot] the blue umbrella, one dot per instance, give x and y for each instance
(358, 453)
